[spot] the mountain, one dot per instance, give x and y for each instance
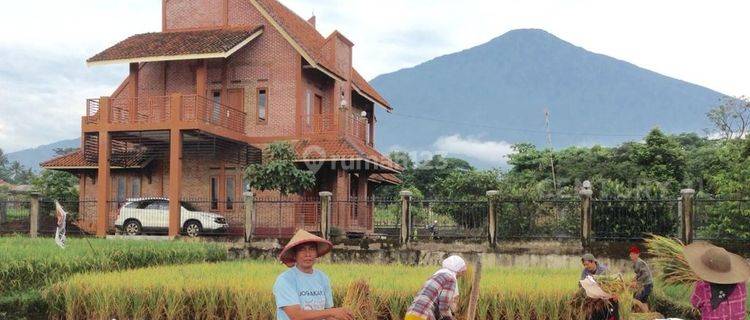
(30, 158)
(499, 90)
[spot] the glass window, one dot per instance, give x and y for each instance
(262, 104)
(135, 191)
(214, 194)
(121, 189)
(216, 114)
(308, 107)
(230, 192)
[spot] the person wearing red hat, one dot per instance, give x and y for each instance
(303, 292)
(643, 279)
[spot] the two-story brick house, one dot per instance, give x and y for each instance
(203, 97)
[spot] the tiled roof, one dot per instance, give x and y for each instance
(303, 33)
(385, 178)
(312, 42)
(77, 160)
(162, 45)
(342, 149)
(367, 89)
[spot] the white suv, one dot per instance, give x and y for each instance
(151, 215)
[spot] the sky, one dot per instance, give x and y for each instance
(44, 44)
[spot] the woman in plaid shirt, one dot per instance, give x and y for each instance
(438, 297)
(721, 294)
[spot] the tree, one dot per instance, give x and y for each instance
(661, 157)
(279, 172)
(56, 185)
(428, 173)
(732, 117)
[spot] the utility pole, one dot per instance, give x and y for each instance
(549, 144)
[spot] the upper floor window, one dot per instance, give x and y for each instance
(262, 104)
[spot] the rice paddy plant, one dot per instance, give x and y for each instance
(243, 290)
(35, 263)
(669, 260)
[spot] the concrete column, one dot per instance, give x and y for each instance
(586, 193)
(491, 222)
(405, 216)
(249, 215)
(3, 212)
(325, 214)
(103, 179)
(687, 196)
(175, 181)
(34, 215)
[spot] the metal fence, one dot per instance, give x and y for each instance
(279, 217)
(538, 219)
(722, 219)
(629, 219)
(14, 215)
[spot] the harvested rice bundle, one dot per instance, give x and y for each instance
(359, 300)
(614, 285)
(669, 259)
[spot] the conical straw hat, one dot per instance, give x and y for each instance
(302, 237)
(715, 264)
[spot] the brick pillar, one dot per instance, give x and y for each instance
(175, 181)
(362, 213)
(491, 216)
(34, 215)
(3, 212)
(133, 101)
(405, 216)
(249, 215)
(585, 195)
(687, 196)
(325, 214)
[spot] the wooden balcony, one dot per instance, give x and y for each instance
(352, 125)
(163, 112)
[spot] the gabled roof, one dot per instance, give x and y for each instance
(312, 42)
(342, 149)
(364, 88)
(182, 45)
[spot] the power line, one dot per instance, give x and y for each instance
(468, 124)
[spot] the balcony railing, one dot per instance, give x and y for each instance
(353, 125)
(158, 109)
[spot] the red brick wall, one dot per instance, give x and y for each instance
(190, 14)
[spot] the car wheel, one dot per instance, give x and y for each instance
(193, 229)
(132, 228)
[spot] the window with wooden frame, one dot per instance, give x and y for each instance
(262, 103)
(214, 193)
(230, 192)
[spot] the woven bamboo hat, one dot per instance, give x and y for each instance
(303, 237)
(715, 264)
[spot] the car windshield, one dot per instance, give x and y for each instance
(188, 206)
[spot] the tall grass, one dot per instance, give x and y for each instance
(244, 290)
(34, 263)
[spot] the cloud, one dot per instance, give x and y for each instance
(42, 95)
(487, 151)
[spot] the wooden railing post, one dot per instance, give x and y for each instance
(249, 215)
(491, 222)
(325, 214)
(586, 194)
(34, 215)
(687, 197)
(405, 216)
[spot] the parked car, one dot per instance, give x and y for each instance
(151, 215)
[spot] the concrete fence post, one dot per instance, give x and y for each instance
(249, 215)
(586, 193)
(34, 215)
(491, 217)
(3, 211)
(325, 214)
(686, 197)
(405, 216)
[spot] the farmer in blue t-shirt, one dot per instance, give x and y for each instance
(303, 293)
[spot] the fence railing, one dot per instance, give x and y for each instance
(159, 109)
(402, 219)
